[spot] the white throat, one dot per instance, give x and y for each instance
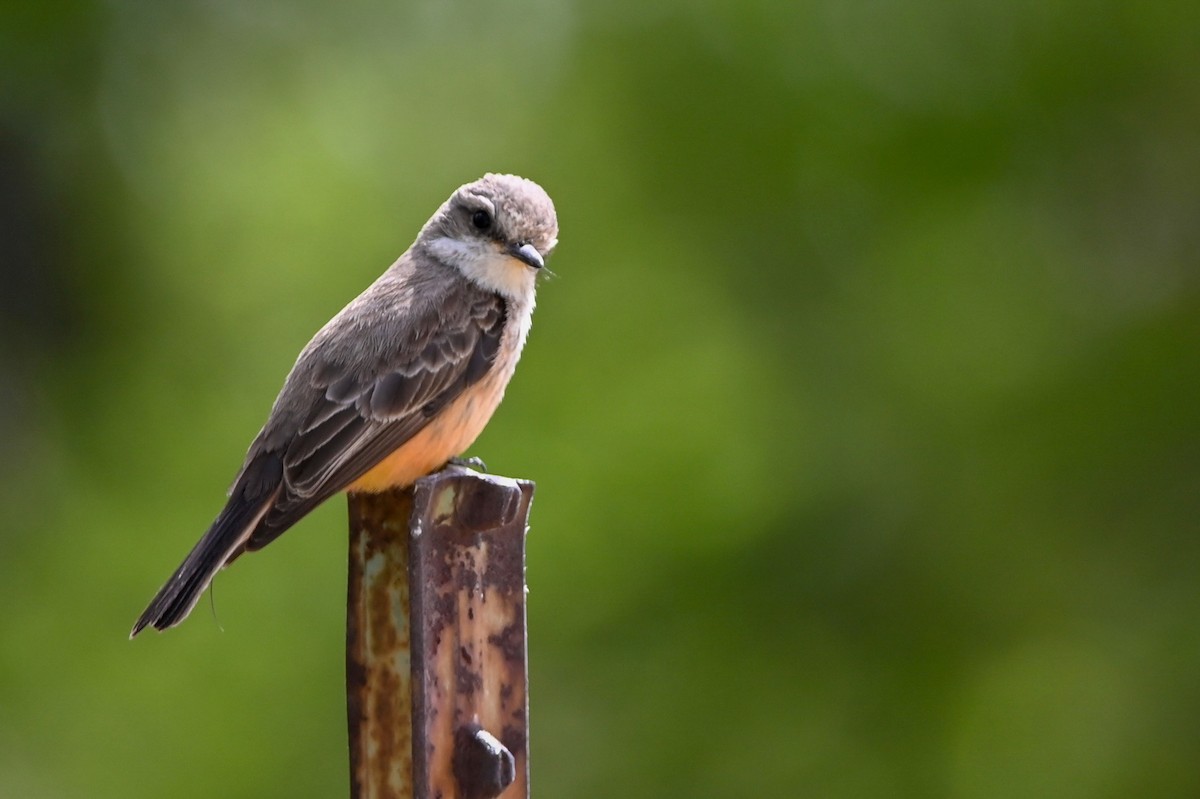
(486, 266)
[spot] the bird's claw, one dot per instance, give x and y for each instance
(470, 463)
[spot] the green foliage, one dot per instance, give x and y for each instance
(864, 409)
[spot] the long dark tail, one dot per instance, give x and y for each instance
(251, 498)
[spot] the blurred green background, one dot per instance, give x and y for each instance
(864, 409)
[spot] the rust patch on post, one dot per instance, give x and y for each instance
(470, 677)
(378, 647)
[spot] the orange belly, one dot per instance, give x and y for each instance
(447, 435)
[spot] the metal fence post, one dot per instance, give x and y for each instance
(436, 671)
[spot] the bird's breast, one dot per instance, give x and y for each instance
(453, 430)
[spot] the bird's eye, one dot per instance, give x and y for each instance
(482, 220)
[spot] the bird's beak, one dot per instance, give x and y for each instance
(528, 254)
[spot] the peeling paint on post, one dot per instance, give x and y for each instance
(453, 724)
(471, 739)
(378, 647)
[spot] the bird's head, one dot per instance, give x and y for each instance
(497, 231)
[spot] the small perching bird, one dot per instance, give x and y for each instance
(400, 382)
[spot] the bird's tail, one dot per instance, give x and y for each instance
(175, 600)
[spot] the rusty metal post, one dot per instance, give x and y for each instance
(455, 725)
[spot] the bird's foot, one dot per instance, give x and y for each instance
(469, 463)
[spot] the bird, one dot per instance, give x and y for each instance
(396, 385)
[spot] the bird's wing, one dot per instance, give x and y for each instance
(353, 417)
